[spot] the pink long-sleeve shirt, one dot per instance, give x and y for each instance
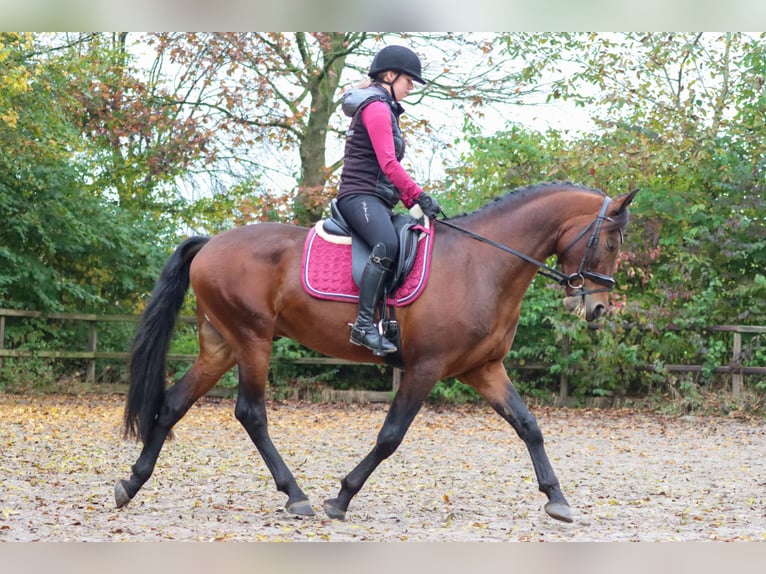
(377, 120)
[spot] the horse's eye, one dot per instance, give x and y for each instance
(610, 245)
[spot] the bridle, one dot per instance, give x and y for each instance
(574, 280)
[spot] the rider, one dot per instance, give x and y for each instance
(373, 180)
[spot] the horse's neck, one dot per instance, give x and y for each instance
(528, 227)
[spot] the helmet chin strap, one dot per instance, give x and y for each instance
(391, 86)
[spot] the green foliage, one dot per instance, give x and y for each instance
(27, 374)
(94, 152)
(694, 252)
(62, 246)
(32, 334)
(499, 163)
(454, 392)
(284, 374)
(67, 243)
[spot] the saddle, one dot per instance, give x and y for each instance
(332, 247)
(408, 228)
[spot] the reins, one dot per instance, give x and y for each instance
(575, 280)
(545, 270)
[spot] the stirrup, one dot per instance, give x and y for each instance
(380, 351)
(358, 337)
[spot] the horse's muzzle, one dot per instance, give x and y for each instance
(585, 306)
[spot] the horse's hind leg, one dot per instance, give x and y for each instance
(251, 413)
(176, 403)
(494, 385)
(214, 360)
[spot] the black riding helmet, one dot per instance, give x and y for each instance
(398, 59)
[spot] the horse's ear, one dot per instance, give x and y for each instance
(621, 203)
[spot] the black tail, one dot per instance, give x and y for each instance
(146, 366)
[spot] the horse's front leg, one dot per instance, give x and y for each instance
(401, 413)
(491, 380)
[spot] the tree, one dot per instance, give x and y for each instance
(62, 244)
(266, 94)
(136, 143)
(681, 117)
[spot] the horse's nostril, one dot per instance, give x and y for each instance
(598, 312)
(595, 312)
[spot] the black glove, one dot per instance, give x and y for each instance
(429, 205)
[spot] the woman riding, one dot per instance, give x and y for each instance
(373, 180)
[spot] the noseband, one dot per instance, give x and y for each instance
(574, 280)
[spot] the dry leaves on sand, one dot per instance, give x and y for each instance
(460, 475)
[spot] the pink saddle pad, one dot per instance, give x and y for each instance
(326, 268)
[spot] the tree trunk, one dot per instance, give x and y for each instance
(312, 197)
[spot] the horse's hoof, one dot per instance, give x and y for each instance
(559, 511)
(300, 507)
(121, 496)
(334, 511)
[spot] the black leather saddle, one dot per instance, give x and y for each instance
(407, 229)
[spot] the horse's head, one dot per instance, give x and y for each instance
(588, 257)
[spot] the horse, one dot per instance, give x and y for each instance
(248, 293)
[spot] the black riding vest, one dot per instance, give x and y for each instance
(361, 171)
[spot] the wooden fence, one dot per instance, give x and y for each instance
(92, 354)
(735, 368)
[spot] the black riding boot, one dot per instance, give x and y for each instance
(364, 332)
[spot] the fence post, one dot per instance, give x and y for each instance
(564, 380)
(736, 362)
(2, 337)
(397, 379)
(90, 376)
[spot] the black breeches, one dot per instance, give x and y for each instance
(371, 219)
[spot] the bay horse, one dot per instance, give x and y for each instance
(247, 283)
